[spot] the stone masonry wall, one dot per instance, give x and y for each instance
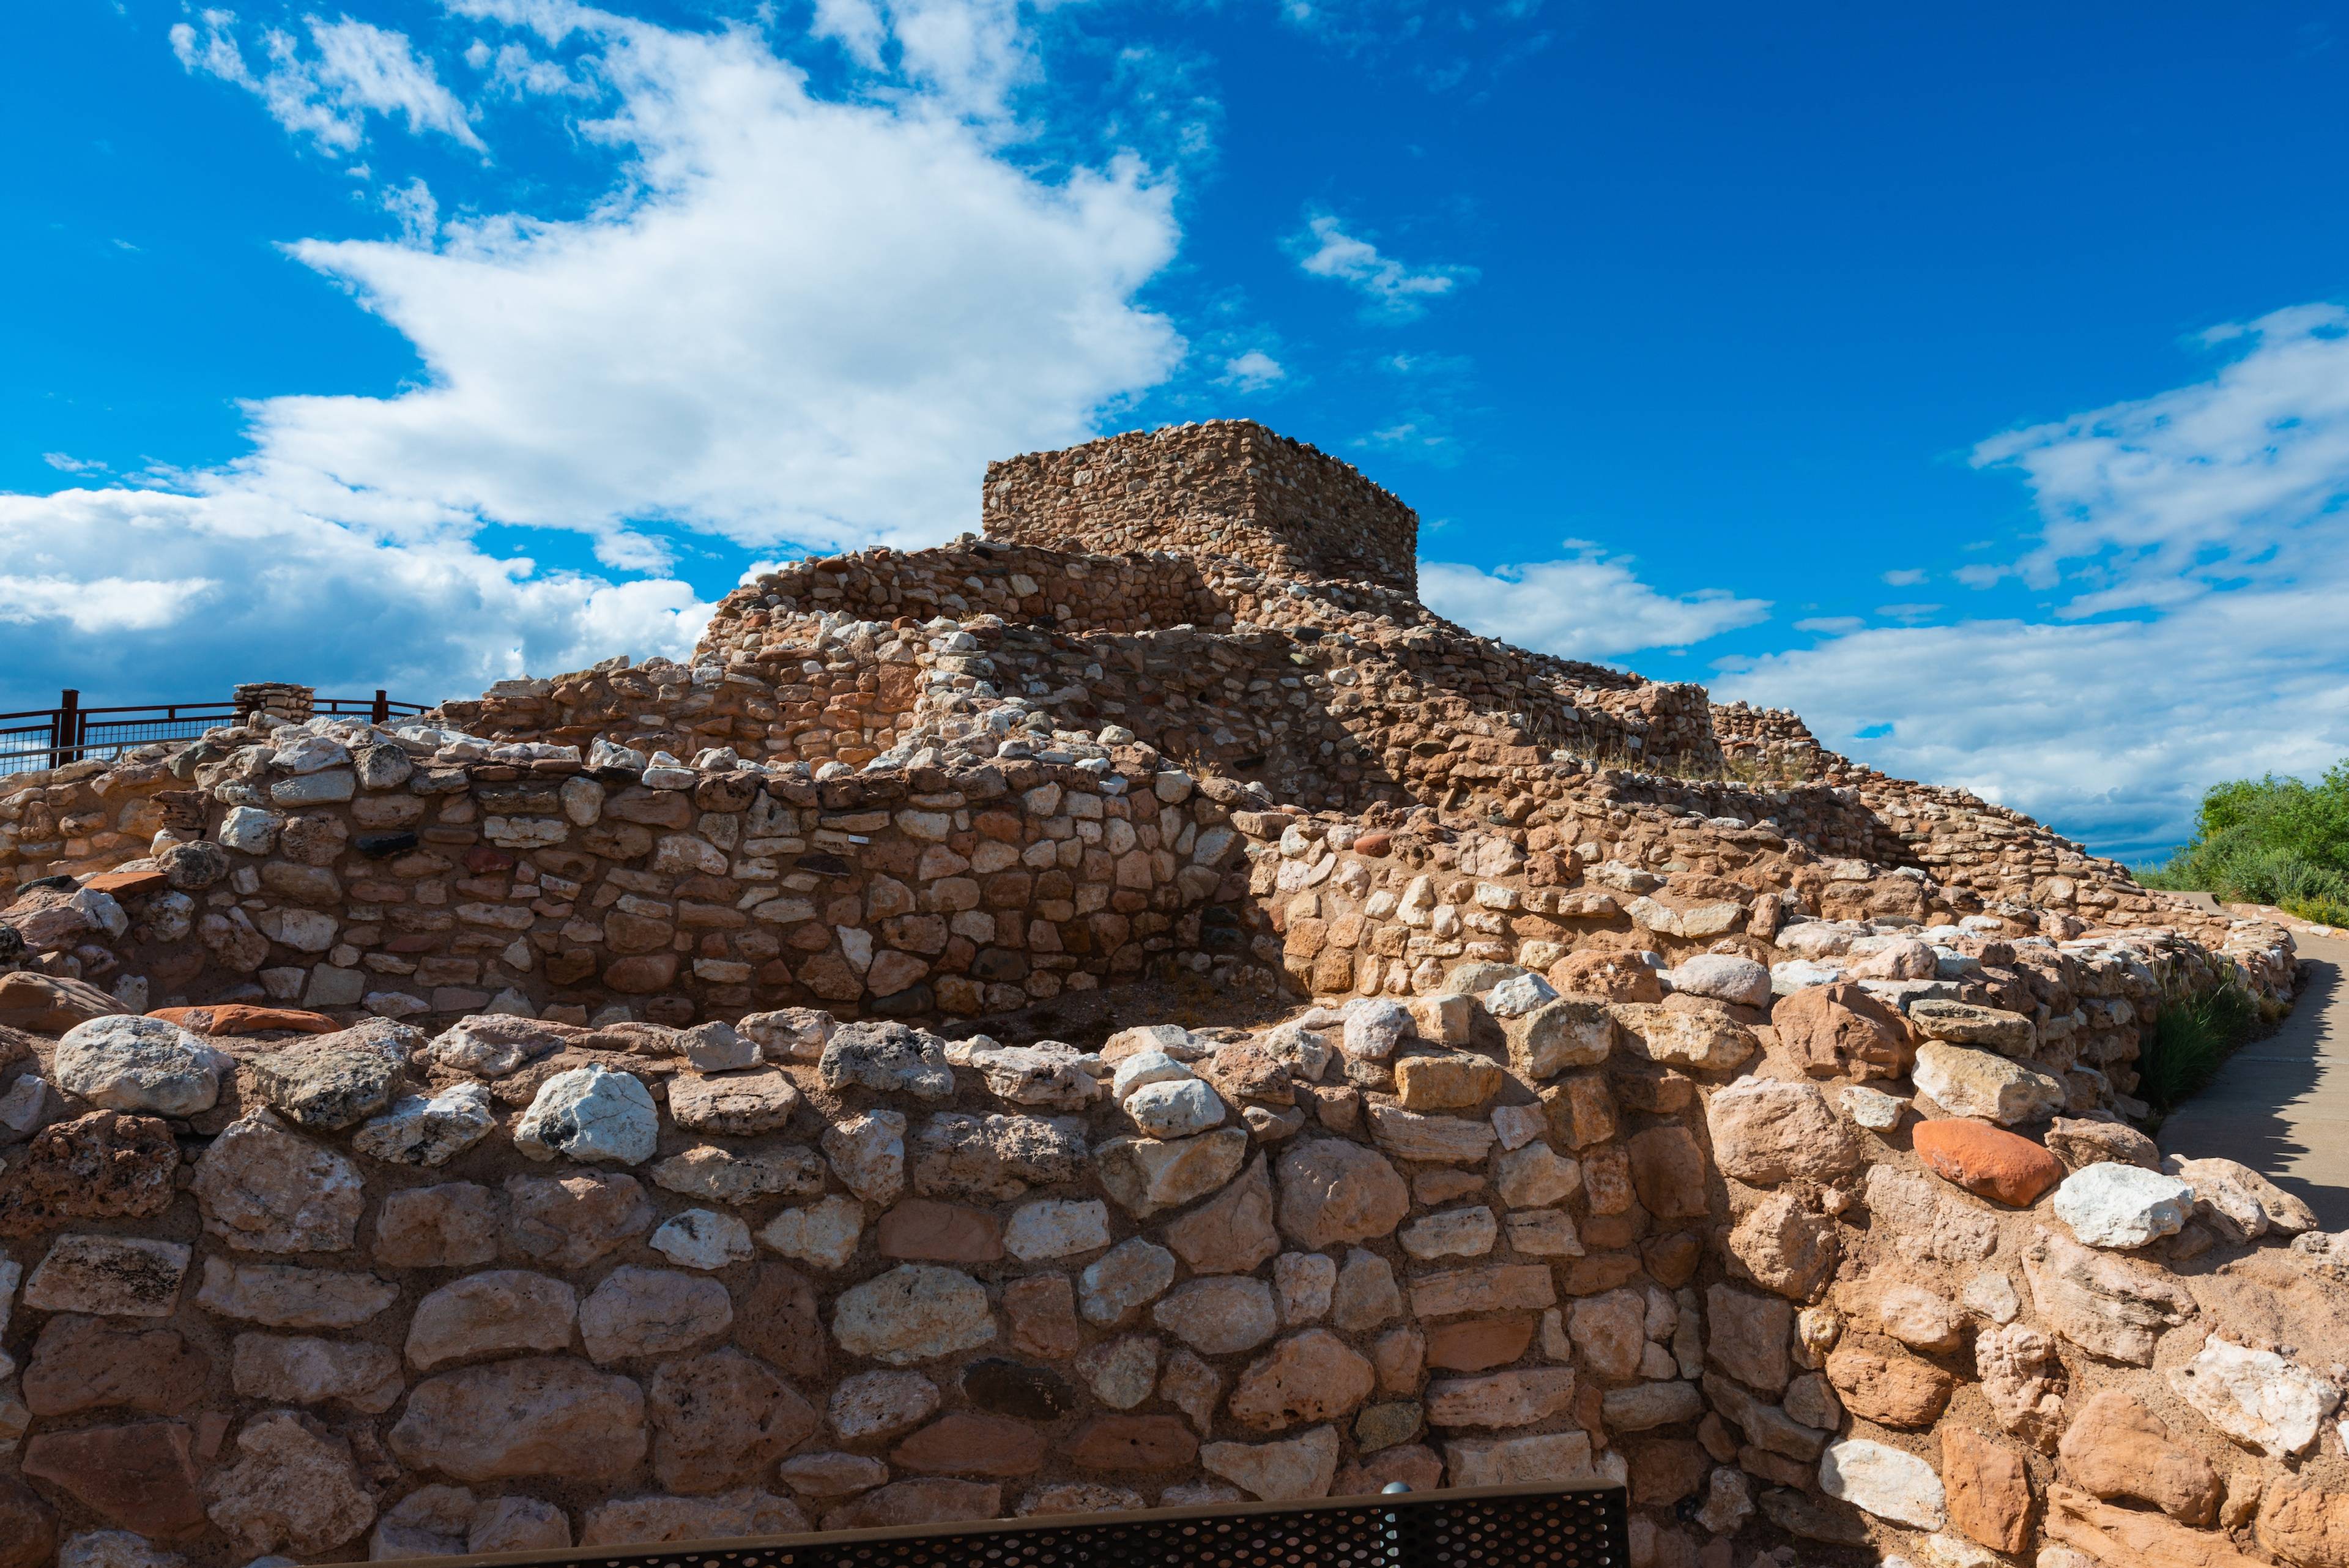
(1228, 487)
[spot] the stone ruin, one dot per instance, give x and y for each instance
(1129, 1010)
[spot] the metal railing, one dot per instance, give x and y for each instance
(1482, 1527)
(70, 732)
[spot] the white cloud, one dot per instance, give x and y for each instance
(791, 321)
(352, 69)
(2165, 496)
(1907, 578)
(2198, 536)
(66, 462)
(1326, 250)
(1589, 606)
(1252, 371)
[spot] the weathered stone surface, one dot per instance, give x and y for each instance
(1296, 1471)
(721, 1420)
(591, 1115)
(1988, 1489)
(1965, 1081)
(638, 1312)
(868, 1153)
(1710, 1041)
(1830, 1029)
(88, 1364)
(102, 1166)
(293, 1487)
(1987, 1161)
(263, 1189)
(1609, 1332)
(1478, 1343)
(1174, 1108)
(649, 1521)
(298, 1370)
(2123, 1206)
(540, 1416)
(279, 1295)
(2090, 1142)
(822, 1475)
(1746, 1337)
(967, 1444)
(1078, 1497)
(1569, 1032)
(1332, 1191)
(930, 1500)
(1366, 1294)
(140, 1477)
(702, 1239)
(1146, 1175)
(733, 1105)
(2109, 1535)
(888, 1058)
(1669, 1172)
(430, 1130)
(1056, 1227)
(1132, 1443)
(1309, 1376)
(822, 1234)
(51, 1004)
(2021, 1378)
(913, 1313)
(1468, 1232)
(28, 1527)
(1514, 1398)
(335, 1080)
(454, 1225)
(1130, 1276)
(1219, 1315)
(1964, 1023)
(874, 1407)
(1888, 1387)
(109, 1276)
(1724, 977)
(1786, 1246)
(1924, 1222)
(1536, 1176)
(2112, 1306)
(494, 1312)
(2115, 1446)
(2256, 1397)
(1884, 1481)
(569, 1221)
(1560, 1459)
(1769, 1130)
(2303, 1522)
(1504, 1287)
(139, 1065)
(725, 1175)
(1122, 1372)
(1233, 1231)
(1015, 1388)
(2244, 1204)
(991, 1157)
(1447, 1080)
(1448, 1140)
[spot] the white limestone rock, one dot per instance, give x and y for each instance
(2256, 1397)
(703, 1239)
(591, 1115)
(2119, 1206)
(1883, 1480)
(143, 1066)
(428, 1130)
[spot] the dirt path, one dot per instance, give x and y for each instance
(2280, 1105)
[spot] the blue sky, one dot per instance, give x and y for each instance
(1975, 384)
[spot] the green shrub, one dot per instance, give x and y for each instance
(2193, 1035)
(2267, 841)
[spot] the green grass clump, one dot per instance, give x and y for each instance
(2193, 1035)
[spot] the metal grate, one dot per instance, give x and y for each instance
(1492, 1527)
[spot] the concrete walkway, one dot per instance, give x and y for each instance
(2280, 1105)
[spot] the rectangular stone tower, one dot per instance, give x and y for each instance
(1228, 487)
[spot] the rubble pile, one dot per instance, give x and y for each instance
(1130, 1010)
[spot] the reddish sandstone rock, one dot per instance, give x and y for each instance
(1310, 1377)
(140, 1478)
(1988, 1160)
(1041, 1310)
(89, 1364)
(1232, 1232)
(932, 1500)
(28, 1527)
(1413, 1464)
(1832, 1029)
(2115, 1446)
(1474, 1344)
(103, 1166)
(722, 1420)
(2303, 1523)
(227, 1017)
(1889, 1387)
(1668, 1169)
(1989, 1490)
(1332, 1191)
(1617, 977)
(926, 1230)
(779, 1325)
(965, 1443)
(1132, 1443)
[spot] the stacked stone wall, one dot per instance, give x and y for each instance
(1228, 488)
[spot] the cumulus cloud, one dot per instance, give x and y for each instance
(1587, 606)
(1326, 250)
(791, 322)
(349, 70)
(2194, 540)
(1252, 371)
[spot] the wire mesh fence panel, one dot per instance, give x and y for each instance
(1513, 1528)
